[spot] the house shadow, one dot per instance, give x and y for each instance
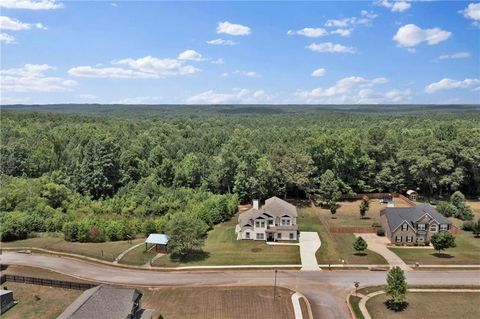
(191, 256)
(442, 255)
(360, 254)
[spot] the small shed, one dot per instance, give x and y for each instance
(6, 297)
(412, 195)
(159, 240)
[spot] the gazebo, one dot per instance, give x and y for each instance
(159, 240)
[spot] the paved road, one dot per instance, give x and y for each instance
(379, 245)
(309, 243)
(325, 290)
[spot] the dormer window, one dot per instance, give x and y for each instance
(421, 226)
(404, 227)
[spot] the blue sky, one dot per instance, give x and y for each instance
(240, 52)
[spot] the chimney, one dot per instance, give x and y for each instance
(256, 204)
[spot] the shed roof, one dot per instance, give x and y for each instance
(411, 191)
(157, 239)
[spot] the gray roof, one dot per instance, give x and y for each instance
(397, 215)
(274, 207)
(104, 302)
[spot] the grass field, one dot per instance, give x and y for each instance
(222, 248)
(348, 213)
(436, 305)
(467, 252)
(335, 246)
(51, 302)
(105, 251)
(138, 256)
(219, 303)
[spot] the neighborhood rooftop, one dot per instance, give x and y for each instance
(397, 215)
(274, 207)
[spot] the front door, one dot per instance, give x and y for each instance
(270, 237)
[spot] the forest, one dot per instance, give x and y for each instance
(98, 177)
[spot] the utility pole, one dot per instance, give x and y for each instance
(275, 285)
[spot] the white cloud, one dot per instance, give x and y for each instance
(472, 11)
(232, 29)
(319, 72)
(353, 89)
(113, 4)
(309, 32)
(395, 6)
(458, 55)
(218, 61)
(7, 23)
(343, 32)
(410, 35)
(449, 84)
(32, 78)
(146, 67)
(31, 4)
(340, 23)
(7, 38)
(139, 100)
(190, 55)
(236, 96)
(221, 42)
(330, 47)
(251, 74)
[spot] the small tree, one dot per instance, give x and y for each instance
(442, 241)
(476, 229)
(360, 244)
(364, 206)
(396, 289)
(186, 233)
(333, 208)
(447, 209)
(457, 199)
(329, 190)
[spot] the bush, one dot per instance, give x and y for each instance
(380, 232)
(446, 209)
(464, 213)
(468, 226)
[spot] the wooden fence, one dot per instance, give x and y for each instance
(46, 282)
(352, 230)
(369, 195)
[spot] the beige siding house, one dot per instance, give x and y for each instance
(412, 225)
(274, 221)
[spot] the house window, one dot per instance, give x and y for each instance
(260, 236)
(262, 224)
(270, 221)
(409, 239)
(285, 222)
(421, 226)
(404, 227)
(443, 227)
(433, 228)
(279, 235)
(257, 224)
(398, 239)
(291, 236)
(247, 235)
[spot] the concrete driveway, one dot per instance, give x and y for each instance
(379, 245)
(309, 243)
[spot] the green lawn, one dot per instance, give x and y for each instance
(138, 256)
(105, 251)
(335, 246)
(39, 302)
(222, 248)
(467, 252)
(438, 305)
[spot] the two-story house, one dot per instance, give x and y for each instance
(276, 220)
(412, 225)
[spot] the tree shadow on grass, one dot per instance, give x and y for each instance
(395, 306)
(442, 255)
(360, 254)
(191, 256)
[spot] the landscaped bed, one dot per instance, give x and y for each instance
(105, 251)
(439, 305)
(335, 246)
(219, 303)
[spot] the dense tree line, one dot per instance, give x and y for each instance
(105, 178)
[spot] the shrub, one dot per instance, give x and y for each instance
(468, 226)
(446, 209)
(380, 232)
(464, 213)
